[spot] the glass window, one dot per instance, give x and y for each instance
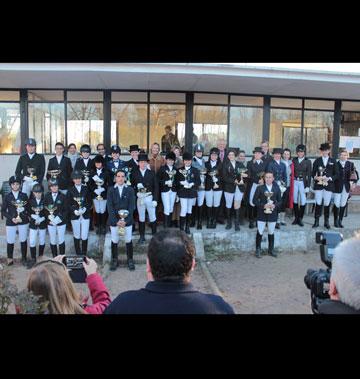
(245, 128)
(47, 125)
(167, 97)
(9, 96)
(319, 104)
(286, 103)
(350, 105)
(285, 128)
(318, 128)
(129, 125)
(350, 133)
(162, 115)
(210, 98)
(45, 95)
(247, 100)
(85, 124)
(85, 96)
(10, 140)
(210, 125)
(128, 96)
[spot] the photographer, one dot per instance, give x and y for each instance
(50, 280)
(345, 280)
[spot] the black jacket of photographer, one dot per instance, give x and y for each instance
(229, 174)
(193, 176)
(260, 200)
(37, 162)
(149, 181)
(73, 205)
(343, 179)
(334, 307)
(115, 203)
(8, 210)
(163, 177)
(64, 178)
(106, 176)
(331, 171)
(303, 170)
(33, 204)
(61, 207)
(209, 184)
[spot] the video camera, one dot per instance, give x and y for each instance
(74, 264)
(317, 281)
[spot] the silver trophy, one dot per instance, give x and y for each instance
(37, 211)
(19, 204)
(51, 208)
(123, 213)
(86, 175)
(99, 182)
(203, 172)
(54, 173)
(268, 201)
(213, 174)
(321, 180)
(171, 175)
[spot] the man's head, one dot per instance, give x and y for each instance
(221, 144)
(59, 148)
(30, 145)
(269, 178)
(101, 149)
(344, 155)
(120, 177)
(345, 274)
(171, 256)
(265, 146)
(325, 149)
(71, 148)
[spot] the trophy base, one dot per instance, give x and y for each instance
(99, 198)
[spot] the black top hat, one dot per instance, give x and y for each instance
(134, 148)
(214, 150)
(277, 150)
(76, 174)
(324, 146)
(85, 149)
(53, 182)
(300, 147)
(38, 188)
(14, 179)
(257, 149)
(171, 156)
(30, 141)
(99, 159)
(187, 156)
(143, 157)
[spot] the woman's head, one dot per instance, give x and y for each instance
(155, 149)
(51, 281)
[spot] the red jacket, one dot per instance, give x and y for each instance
(99, 294)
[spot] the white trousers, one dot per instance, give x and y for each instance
(186, 206)
(270, 225)
(146, 206)
(340, 199)
(213, 198)
(33, 237)
(199, 200)
(81, 228)
(321, 195)
(115, 236)
(59, 231)
(168, 200)
(299, 190)
(100, 206)
(252, 193)
(11, 233)
(235, 197)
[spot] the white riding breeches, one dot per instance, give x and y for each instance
(145, 204)
(299, 190)
(11, 233)
(100, 206)
(213, 198)
(340, 199)
(115, 236)
(168, 200)
(33, 236)
(235, 197)
(186, 206)
(81, 228)
(321, 195)
(261, 227)
(57, 230)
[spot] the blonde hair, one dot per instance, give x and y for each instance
(53, 284)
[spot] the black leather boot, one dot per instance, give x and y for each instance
(296, 214)
(317, 215)
(216, 211)
(114, 256)
(228, 219)
(341, 216)
(53, 250)
(258, 245)
(251, 217)
(41, 250)
(301, 215)
(23, 246)
(187, 223)
(142, 233)
(62, 248)
(237, 220)
(326, 217)
(129, 255)
(33, 257)
(84, 245)
(193, 216)
(10, 254)
(77, 246)
(153, 227)
(182, 223)
(98, 230)
(336, 217)
(271, 251)
(199, 218)
(166, 221)
(209, 213)
(169, 220)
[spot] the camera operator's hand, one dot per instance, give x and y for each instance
(90, 266)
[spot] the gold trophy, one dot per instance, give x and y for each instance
(31, 171)
(321, 181)
(171, 175)
(268, 201)
(213, 174)
(203, 172)
(123, 213)
(54, 173)
(86, 175)
(51, 208)
(184, 173)
(19, 204)
(37, 211)
(99, 182)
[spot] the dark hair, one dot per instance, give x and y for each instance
(241, 152)
(170, 255)
(120, 170)
(99, 144)
(269, 172)
(59, 144)
(71, 144)
(286, 149)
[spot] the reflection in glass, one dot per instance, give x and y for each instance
(10, 128)
(350, 133)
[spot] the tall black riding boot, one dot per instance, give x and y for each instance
(193, 214)
(317, 215)
(129, 255)
(301, 215)
(182, 223)
(228, 219)
(209, 214)
(142, 233)
(271, 251)
(153, 227)
(77, 246)
(336, 217)
(23, 246)
(258, 245)
(237, 220)
(187, 223)
(166, 221)
(199, 218)
(341, 216)
(326, 217)
(242, 214)
(84, 246)
(216, 211)
(169, 220)
(296, 213)
(41, 250)
(98, 230)
(10, 254)
(251, 217)
(53, 250)
(62, 248)
(33, 257)
(114, 256)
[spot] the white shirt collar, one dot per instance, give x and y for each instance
(278, 162)
(54, 195)
(187, 167)
(259, 161)
(31, 155)
(301, 159)
(99, 171)
(78, 187)
(170, 167)
(58, 158)
(213, 163)
(16, 194)
(269, 187)
(37, 200)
